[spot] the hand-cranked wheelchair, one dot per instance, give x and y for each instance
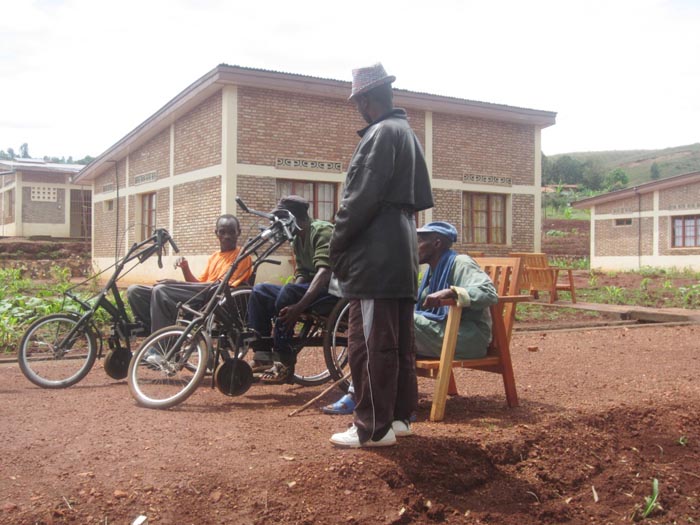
(170, 363)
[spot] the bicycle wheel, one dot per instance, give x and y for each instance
(310, 368)
(48, 359)
(335, 342)
(159, 382)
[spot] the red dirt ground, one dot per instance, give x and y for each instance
(602, 413)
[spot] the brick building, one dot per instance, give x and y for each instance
(261, 134)
(654, 224)
(40, 198)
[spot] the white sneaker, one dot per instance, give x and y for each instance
(350, 439)
(401, 428)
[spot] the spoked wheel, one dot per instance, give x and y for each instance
(335, 342)
(50, 359)
(310, 369)
(156, 381)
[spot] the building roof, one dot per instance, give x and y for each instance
(647, 187)
(225, 74)
(20, 164)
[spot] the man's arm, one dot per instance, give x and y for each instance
(187, 274)
(371, 170)
(289, 314)
(471, 287)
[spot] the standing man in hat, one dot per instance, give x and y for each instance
(374, 254)
(286, 303)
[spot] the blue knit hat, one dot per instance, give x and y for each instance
(443, 228)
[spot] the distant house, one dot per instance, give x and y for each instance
(41, 199)
(652, 224)
(262, 134)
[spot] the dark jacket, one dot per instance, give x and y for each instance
(374, 249)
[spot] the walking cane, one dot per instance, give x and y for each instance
(309, 403)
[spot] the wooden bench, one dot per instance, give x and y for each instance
(538, 276)
(504, 272)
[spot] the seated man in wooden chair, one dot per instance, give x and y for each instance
(449, 276)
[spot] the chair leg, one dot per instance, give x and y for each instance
(452, 389)
(442, 384)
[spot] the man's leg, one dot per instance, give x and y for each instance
(373, 351)
(261, 307)
(165, 298)
(139, 298)
(407, 388)
(288, 295)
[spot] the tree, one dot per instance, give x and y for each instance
(565, 170)
(24, 151)
(616, 180)
(11, 153)
(655, 171)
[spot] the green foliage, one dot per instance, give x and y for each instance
(556, 233)
(654, 171)
(651, 502)
(616, 179)
(683, 441)
(615, 294)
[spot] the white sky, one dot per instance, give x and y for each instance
(78, 75)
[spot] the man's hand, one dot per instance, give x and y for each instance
(435, 299)
(181, 262)
(289, 315)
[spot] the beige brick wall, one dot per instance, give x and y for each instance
(616, 241)
(626, 206)
(523, 232)
(198, 205)
(43, 212)
(277, 124)
(680, 198)
(44, 178)
(198, 137)
(154, 156)
(469, 146)
(259, 193)
(104, 230)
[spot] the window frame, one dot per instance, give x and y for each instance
(147, 214)
(313, 203)
(468, 232)
(685, 220)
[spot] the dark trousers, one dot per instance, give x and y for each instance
(264, 304)
(383, 364)
(156, 306)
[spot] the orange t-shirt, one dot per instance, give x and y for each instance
(219, 263)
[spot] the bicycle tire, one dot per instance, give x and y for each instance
(335, 342)
(47, 365)
(161, 383)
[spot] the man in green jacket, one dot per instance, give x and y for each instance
(448, 276)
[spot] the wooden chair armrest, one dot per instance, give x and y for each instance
(514, 298)
(501, 299)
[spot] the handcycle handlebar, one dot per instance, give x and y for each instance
(280, 218)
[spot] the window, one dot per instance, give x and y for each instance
(321, 196)
(43, 194)
(484, 218)
(623, 222)
(686, 231)
(148, 214)
(108, 205)
(8, 205)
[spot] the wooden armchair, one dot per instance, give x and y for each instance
(504, 272)
(538, 276)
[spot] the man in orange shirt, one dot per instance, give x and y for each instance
(156, 306)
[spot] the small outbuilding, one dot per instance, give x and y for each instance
(39, 198)
(653, 224)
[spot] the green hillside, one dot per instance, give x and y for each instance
(637, 163)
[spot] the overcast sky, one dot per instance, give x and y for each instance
(78, 75)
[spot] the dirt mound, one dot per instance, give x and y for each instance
(36, 257)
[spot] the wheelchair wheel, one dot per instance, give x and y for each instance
(48, 359)
(156, 381)
(335, 342)
(310, 368)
